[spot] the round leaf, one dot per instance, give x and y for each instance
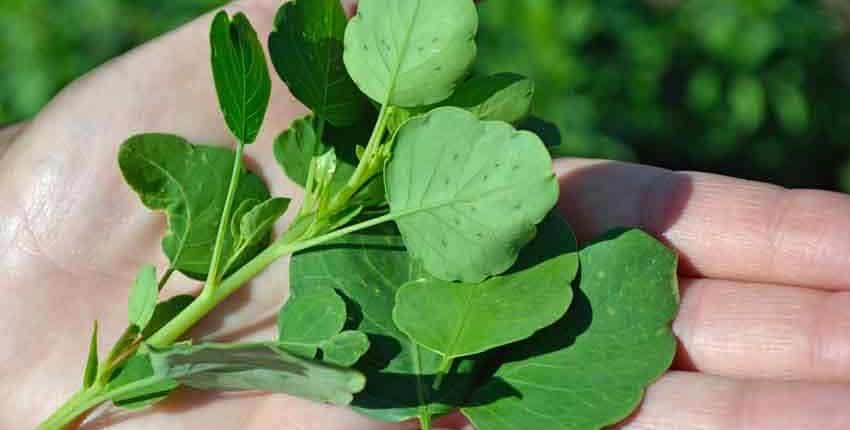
(413, 52)
(467, 194)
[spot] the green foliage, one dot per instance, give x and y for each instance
(145, 388)
(306, 50)
(500, 97)
(589, 370)
(90, 372)
(258, 366)
(466, 193)
(143, 298)
(190, 184)
(165, 312)
(410, 53)
(241, 75)
(457, 320)
(310, 317)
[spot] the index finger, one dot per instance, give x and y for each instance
(723, 227)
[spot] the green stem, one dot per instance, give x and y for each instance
(424, 419)
(445, 366)
(209, 299)
(214, 276)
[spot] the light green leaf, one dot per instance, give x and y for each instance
(143, 297)
(236, 217)
(258, 366)
(90, 373)
(345, 348)
(138, 368)
(501, 97)
(456, 319)
(308, 318)
(368, 270)
(410, 53)
(241, 75)
(590, 369)
(257, 223)
(467, 194)
(306, 50)
(165, 312)
(189, 183)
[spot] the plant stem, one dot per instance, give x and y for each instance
(445, 366)
(214, 276)
(424, 419)
(209, 299)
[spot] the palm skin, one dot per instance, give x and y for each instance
(764, 327)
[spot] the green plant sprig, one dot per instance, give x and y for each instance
(429, 273)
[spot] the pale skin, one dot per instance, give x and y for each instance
(764, 327)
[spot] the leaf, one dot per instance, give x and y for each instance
(368, 269)
(189, 183)
(165, 312)
(241, 75)
(138, 368)
(143, 297)
(466, 194)
(547, 131)
(345, 348)
(236, 217)
(590, 369)
(296, 147)
(306, 50)
(310, 317)
(258, 366)
(90, 373)
(258, 222)
(410, 53)
(457, 320)
(501, 97)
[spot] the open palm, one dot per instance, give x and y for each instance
(754, 354)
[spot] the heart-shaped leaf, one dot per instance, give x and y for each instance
(190, 184)
(241, 75)
(590, 369)
(256, 366)
(413, 52)
(306, 50)
(467, 194)
(456, 319)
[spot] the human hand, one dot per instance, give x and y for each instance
(73, 236)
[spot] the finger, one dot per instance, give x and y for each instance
(723, 227)
(691, 401)
(764, 331)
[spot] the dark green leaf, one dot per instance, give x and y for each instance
(260, 366)
(310, 317)
(138, 368)
(165, 312)
(306, 50)
(190, 184)
(410, 53)
(590, 369)
(241, 75)
(90, 373)
(296, 147)
(501, 97)
(547, 131)
(457, 320)
(345, 348)
(368, 270)
(143, 297)
(467, 194)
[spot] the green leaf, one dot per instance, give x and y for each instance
(143, 297)
(308, 318)
(590, 369)
(236, 217)
(368, 270)
(90, 373)
(296, 147)
(501, 97)
(466, 194)
(410, 53)
(165, 312)
(306, 50)
(241, 75)
(345, 348)
(257, 223)
(457, 320)
(138, 368)
(259, 366)
(189, 183)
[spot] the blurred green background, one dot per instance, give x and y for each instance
(752, 88)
